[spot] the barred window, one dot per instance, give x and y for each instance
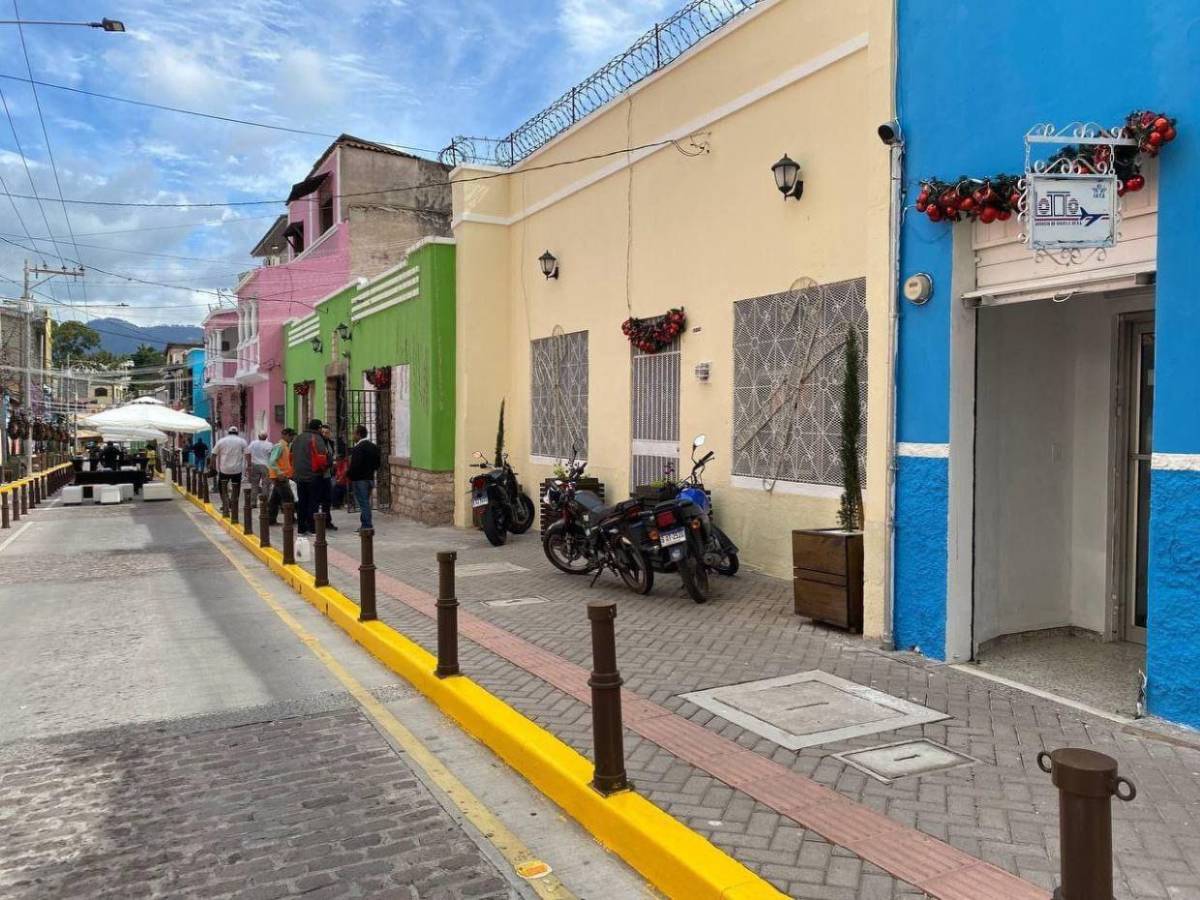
(789, 367)
(559, 395)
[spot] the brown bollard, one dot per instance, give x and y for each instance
(233, 504)
(1086, 781)
(4, 510)
(320, 552)
(289, 534)
(15, 493)
(34, 490)
(605, 682)
(264, 526)
(447, 617)
(25, 498)
(366, 576)
(248, 513)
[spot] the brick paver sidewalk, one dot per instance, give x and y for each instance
(1002, 810)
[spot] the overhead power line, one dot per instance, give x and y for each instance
(203, 115)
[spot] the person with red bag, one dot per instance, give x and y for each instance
(311, 458)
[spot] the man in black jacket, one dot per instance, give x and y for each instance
(364, 463)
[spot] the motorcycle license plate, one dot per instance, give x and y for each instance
(674, 536)
(479, 500)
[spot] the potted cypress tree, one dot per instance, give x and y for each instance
(828, 563)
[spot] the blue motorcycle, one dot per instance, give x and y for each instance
(678, 533)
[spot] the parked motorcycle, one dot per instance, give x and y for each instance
(591, 537)
(679, 533)
(498, 505)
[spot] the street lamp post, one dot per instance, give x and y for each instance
(113, 25)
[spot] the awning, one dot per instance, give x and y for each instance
(1064, 285)
(307, 186)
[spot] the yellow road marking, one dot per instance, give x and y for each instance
(508, 844)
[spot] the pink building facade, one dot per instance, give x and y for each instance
(359, 208)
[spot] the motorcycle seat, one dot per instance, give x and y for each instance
(596, 510)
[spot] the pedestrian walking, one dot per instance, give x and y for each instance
(199, 453)
(280, 471)
(311, 456)
(259, 460)
(230, 456)
(337, 450)
(364, 463)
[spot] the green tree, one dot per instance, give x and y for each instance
(73, 341)
(850, 513)
(145, 356)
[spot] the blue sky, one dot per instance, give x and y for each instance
(412, 72)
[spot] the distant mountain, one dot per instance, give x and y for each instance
(118, 336)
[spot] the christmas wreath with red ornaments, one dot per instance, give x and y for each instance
(301, 389)
(653, 334)
(999, 197)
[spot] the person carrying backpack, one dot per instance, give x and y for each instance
(310, 459)
(279, 472)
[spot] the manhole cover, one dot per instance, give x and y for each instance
(496, 568)
(892, 761)
(516, 601)
(810, 708)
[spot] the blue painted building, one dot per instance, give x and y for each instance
(200, 406)
(1048, 434)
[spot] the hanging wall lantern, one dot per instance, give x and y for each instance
(316, 345)
(549, 265)
(787, 177)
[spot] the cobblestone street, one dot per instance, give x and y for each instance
(164, 733)
(1000, 809)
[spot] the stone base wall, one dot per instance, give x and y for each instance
(422, 495)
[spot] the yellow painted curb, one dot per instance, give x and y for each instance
(672, 857)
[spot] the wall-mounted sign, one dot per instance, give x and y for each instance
(1071, 210)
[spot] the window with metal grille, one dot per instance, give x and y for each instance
(558, 396)
(789, 367)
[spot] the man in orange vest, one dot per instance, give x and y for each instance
(280, 471)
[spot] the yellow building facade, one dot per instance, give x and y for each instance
(665, 198)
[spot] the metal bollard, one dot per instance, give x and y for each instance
(248, 513)
(24, 498)
(223, 488)
(264, 526)
(15, 493)
(320, 552)
(233, 503)
(1086, 781)
(4, 510)
(366, 576)
(289, 534)
(605, 682)
(33, 492)
(447, 617)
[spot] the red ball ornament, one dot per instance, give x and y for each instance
(1168, 134)
(922, 206)
(1014, 198)
(1162, 123)
(1135, 183)
(1003, 215)
(966, 204)
(1147, 119)
(987, 215)
(1154, 138)
(934, 213)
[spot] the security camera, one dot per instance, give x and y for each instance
(889, 133)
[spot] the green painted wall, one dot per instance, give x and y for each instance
(419, 332)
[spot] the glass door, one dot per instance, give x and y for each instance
(1137, 477)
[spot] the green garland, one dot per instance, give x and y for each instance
(999, 197)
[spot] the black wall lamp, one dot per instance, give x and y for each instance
(787, 177)
(549, 265)
(316, 345)
(344, 332)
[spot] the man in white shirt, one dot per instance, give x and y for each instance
(259, 453)
(229, 455)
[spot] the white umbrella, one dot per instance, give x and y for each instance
(151, 400)
(148, 415)
(120, 435)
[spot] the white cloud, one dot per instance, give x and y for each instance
(605, 27)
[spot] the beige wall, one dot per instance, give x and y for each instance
(642, 232)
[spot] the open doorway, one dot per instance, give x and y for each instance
(1063, 414)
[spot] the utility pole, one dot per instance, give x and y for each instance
(27, 312)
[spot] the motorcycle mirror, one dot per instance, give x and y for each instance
(478, 454)
(699, 441)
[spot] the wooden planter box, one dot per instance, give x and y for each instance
(585, 484)
(828, 577)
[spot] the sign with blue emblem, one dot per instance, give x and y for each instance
(1071, 210)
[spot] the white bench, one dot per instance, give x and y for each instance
(108, 494)
(156, 490)
(72, 495)
(126, 490)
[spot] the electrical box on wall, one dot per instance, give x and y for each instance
(703, 370)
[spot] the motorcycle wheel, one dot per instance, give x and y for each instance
(728, 565)
(695, 575)
(634, 570)
(493, 524)
(564, 547)
(522, 515)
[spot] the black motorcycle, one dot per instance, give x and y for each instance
(498, 505)
(680, 535)
(591, 537)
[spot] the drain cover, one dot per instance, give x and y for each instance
(892, 761)
(494, 568)
(811, 708)
(516, 601)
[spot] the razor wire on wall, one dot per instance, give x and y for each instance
(658, 47)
